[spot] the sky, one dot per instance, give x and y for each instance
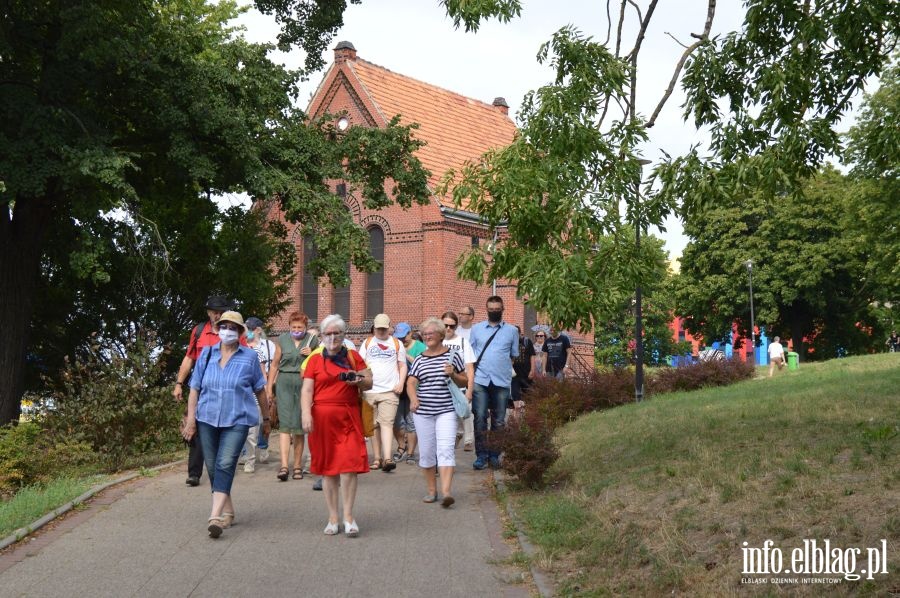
(417, 39)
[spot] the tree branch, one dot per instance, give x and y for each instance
(645, 22)
(710, 14)
(677, 41)
(608, 24)
(619, 28)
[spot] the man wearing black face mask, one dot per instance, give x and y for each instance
(495, 344)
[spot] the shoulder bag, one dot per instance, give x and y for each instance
(460, 402)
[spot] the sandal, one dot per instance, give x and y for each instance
(388, 465)
(376, 464)
(227, 520)
(398, 456)
(298, 473)
(215, 527)
(283, 474)
(410, 459)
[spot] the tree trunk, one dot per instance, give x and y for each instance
(22, 234)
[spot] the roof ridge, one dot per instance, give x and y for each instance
(432, 85)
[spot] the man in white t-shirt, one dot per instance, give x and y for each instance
(466, 316)
(776, 355)
(386, 357)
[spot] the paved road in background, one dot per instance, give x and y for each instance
(150, 539)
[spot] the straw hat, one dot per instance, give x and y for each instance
(233, 317)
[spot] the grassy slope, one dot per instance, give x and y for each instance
(661, 495)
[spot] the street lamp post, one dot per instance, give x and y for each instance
(638, 326)
(749, 264)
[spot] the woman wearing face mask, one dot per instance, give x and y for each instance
(290, 351)
(332, 381)
(228, 393)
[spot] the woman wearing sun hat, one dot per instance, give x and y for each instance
(228, 393)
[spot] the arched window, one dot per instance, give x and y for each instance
(375, 280)
(341, 298)
(309, 292)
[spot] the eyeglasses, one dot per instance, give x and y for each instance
(450, 326)
(467, 313)
(229, 326)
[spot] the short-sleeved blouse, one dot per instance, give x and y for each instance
(228, 395)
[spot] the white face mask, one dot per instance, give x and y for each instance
(332, 342)
(229, 337)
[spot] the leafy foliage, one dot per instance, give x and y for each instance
(28, 456)
(614, 338)
(808, 268)
(116, 403)
(119, 121)
(874, 151)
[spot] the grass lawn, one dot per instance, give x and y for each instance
(660, 497)
(32, 503)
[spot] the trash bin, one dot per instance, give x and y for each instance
(793, 360)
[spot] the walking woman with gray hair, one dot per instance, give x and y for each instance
(432, 407)
(330, 403)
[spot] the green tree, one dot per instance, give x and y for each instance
(808, 269)
(771, 96)
(614, 338)
(874, 152)
(149, 108)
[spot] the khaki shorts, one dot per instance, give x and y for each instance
(385, 406)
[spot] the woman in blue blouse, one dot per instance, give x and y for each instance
(227, 396)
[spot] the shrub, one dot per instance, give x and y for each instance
(527, 444)
(116, 403)
(28, 456)
(700, 375)
(528, 450)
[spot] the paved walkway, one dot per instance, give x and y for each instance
(149, 539)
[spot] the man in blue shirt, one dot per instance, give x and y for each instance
(495, 344)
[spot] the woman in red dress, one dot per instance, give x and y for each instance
(330, 415)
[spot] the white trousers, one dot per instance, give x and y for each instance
(437, 439)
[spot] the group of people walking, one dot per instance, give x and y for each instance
(395, 388)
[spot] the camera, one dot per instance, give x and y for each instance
(348, 376)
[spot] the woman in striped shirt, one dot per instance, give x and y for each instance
(432, 407)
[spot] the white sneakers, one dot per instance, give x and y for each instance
(249, 467)
(263, 455)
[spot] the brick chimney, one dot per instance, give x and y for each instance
(343, 52)
(501, 105)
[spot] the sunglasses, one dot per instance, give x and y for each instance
(450, 326)
(539, 336)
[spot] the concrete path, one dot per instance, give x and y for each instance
(151, 540)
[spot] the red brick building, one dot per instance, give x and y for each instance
(418, 247)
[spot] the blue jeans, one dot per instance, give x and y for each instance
(488, 401)
(221, 449)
